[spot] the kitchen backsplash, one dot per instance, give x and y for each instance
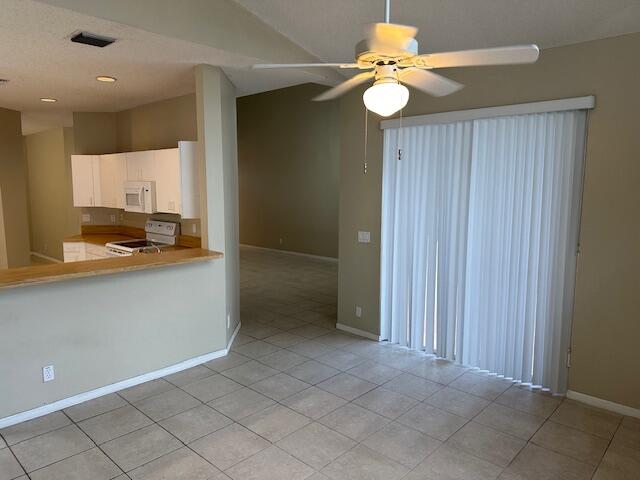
(112, 216)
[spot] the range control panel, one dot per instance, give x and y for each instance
(162, 228)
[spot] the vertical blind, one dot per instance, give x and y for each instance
(479, 236)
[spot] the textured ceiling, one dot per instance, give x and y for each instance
(40, 61)
(329, 29)
(152, 63)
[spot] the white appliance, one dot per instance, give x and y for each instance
(140, 196)
(159, 235)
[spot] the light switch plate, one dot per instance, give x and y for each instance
(364, 237)
(86, 217)
(358, 311)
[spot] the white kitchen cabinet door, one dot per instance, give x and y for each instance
(70, 257)
(167, 178)
(85, 175)
(177, 180)
(113, 172)
(140, 165)
(93, 251)
(73, 251)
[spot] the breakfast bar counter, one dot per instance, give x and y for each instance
(25, 276)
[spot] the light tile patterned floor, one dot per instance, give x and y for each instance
(297, 399)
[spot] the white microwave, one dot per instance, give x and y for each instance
(140, 197)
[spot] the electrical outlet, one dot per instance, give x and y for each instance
(364, 237)
(113, 218)
(194, 228)
(281, 241)
(86, 217)
(48, 373)
(358, 311)
(46, 247)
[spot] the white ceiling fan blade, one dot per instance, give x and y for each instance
(390, 38)
(264, 66)
(428, 82)
(345, 86)
(485, 56)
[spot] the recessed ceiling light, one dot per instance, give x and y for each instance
(105, 78)
(48, 100)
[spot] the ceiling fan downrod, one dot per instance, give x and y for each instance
(387, 11)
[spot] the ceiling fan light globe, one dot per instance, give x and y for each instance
(386, 98)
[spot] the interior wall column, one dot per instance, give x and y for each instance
(218, 153)
(13, 182)
(3, 241)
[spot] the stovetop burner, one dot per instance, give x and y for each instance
(142, 243)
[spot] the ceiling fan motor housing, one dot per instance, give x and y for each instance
(386, 74)
(366, 58)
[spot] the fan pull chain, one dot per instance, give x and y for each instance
(400, 138)
(365, 165)
(400, 128)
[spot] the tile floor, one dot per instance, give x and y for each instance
(298, 399)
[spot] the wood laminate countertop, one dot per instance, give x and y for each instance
(98, 238)
(36, 275)
(101, 234)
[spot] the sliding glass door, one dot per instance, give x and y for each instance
(479, 237)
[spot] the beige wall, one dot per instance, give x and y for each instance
(95, 133)
(605, 357)
(288, 160)
(148, 127)
(52, 216)
(157, 125)
(13, 187)
(3, 239)
(106, 329)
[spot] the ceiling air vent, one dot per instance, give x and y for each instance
(92, 39)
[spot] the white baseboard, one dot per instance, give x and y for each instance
(46, 257)
(356, 331)
(114, 387)
(289, 252)
(233, 337)
(604, 404)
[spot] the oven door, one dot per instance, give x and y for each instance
(134, 197)
(114, 252)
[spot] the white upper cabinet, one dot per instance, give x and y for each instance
(177, 180)
(113, 168)
(167, 177)
(85, 174)
(98, 180)
(140, 165)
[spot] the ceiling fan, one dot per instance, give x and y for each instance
(390, 57)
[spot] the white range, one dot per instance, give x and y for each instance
(159, 235)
